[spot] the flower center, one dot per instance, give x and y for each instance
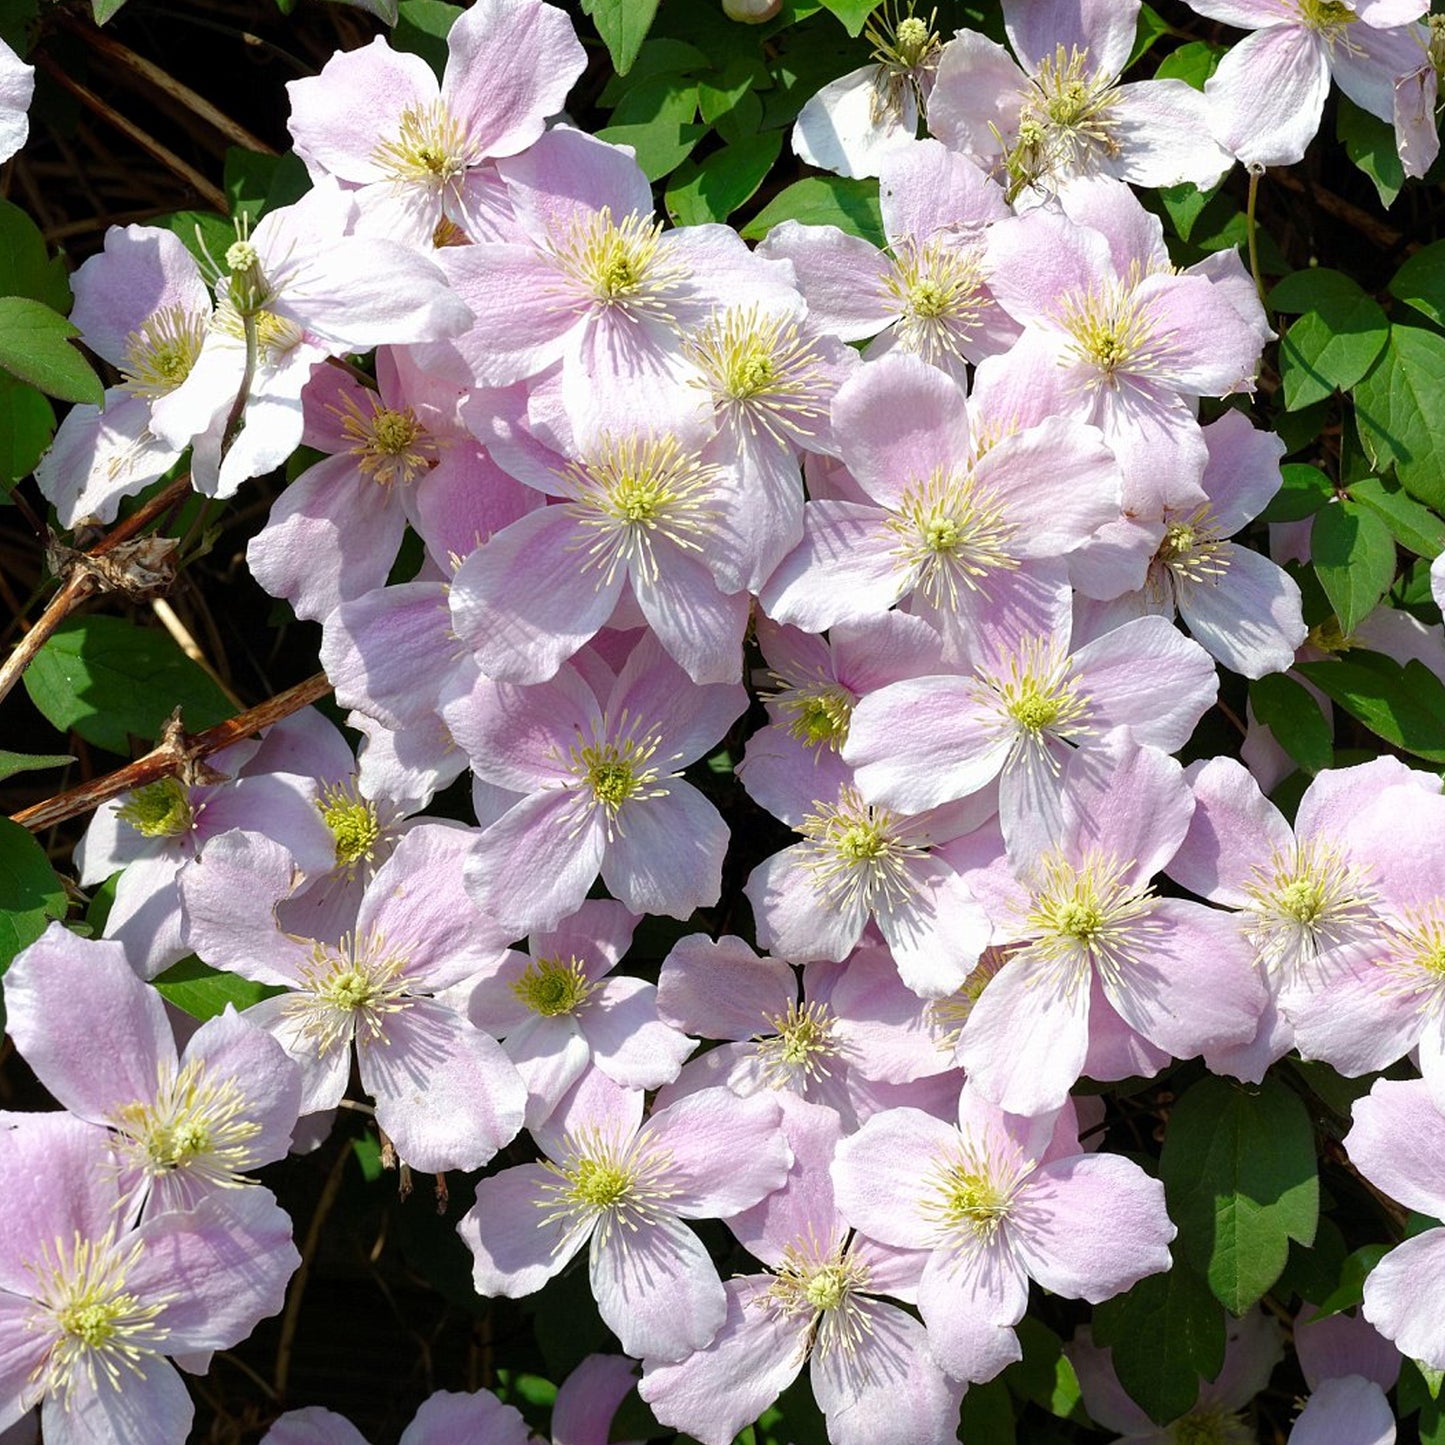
(819, 714)
(1089, 917)
(858, 857)
(903, 48)
(817, 1282)
(1193, 551)
(353, 823)
(1111, 332)
(1211, 1425)
(621, 263)
(390, 446)
(635, 493)
(348, 988)
(1306, 901)
(972, 1192)
(1328, 17)
(159, 356)
(550, 986)
(949, 537)
(430, 148)
(98, 1326)
(159, 810)
(194, 1124)
(603, 1181)
(799, 1045)
(761, 370)
(938, 290)
(948, 1015)
(615, 770)
(1066, 124)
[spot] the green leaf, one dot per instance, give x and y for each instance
(256, 183)
(1045, 1375)
(103, 10)
(988, 1414)
(27, 423)
(1184, 204)
(1150, 27)
(1370, 144)
(12, 763)
(1403, 705)
(1420, 282)
(656, 120)
(623, 26)
(1351, 1289)
(1340, 332)
(658, 56)
(35, 346)
(1295, 719)
(26, 266)
(112, 681)
(1192, 63)
(422, 27)
(1414, 527)
(1165, 1334)
(1303, 492)
(199, 232)
(1400, 411)
(1240, 1175)
(203, 992)
(1354, 558)
(1419, 1386)
(30, 893)
(853, 13)
(852, 206)
(712, 189)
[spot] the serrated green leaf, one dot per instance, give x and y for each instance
(1295, 719)
(1420, 282)
(203, 991)
(1370, 144)
(853, 13)
(1403, 705)
(35, 347)
(12, 763)
(850, 205)
(711, 190)
(112, 681)
(1400, 412)
(623, 26)
(1354, 558)
(30, 893)
(26, 266)
(1303, 491)
(1414, 527)
(1165, 1334)
(1240, 1174)
(27, 424)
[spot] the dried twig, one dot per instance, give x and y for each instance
(178, 755)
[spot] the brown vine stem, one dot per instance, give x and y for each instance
(177, 755)
(85, 580)
(164, 81)
(211, 194)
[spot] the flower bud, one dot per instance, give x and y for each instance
(751, 12)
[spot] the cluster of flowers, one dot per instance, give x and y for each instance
(974, 685)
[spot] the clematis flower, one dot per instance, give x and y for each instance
(869, 1362)
(185, 1126)
(621, 1187)
(446, 1094)
(997, 1201)
(596, 777)
(17, 85)
(1062, 111)
(90, 1305)
(418, 152)
(1269, 90)
(1348, 1408)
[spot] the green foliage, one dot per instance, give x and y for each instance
(12, 763)
(422, 27)
(112, 681)
(1400, 412)
(255, 183)
(1239, 1171)
(988, 1414)
(30, 893)
(712, 189)
(27, 423)
(1165, 1335)
(1353, 1273)
(1370, 144)
(853, 13)
(1403, 705)
(1045, 1376)
(623, 26)
(1339, 334)
(1295, 719)
(26, 266)
(1414, 527)
(1420, 282)
(1194, 62)
(656, 118)
(852, 206)
(1354, 557)
(203, 992)
(35, 347)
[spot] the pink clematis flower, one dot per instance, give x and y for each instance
(622, 1187)
(17, 85)
(418, 152)
(998, 1201)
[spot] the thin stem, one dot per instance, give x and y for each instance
(248, 375)
(176, 755)
(1255, 172)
